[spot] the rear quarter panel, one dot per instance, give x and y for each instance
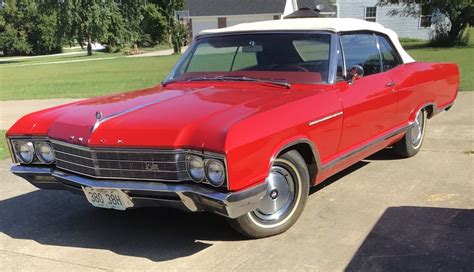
(422, 83)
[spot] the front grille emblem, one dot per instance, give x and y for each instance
(151, 166)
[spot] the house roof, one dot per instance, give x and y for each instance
(303, 13)
(234, 7)
(311, 24)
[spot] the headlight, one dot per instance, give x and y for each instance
(24, 151)
(195, 166)
(45, 152)
(215, 172)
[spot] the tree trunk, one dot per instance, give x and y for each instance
(459, 22)
(89, 47)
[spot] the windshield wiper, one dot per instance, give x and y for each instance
(243, 78)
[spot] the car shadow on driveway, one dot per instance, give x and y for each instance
(63, 219)
(418, 239)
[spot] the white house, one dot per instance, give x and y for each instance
(405, 27)
(209, 14)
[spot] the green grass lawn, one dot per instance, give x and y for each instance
(30, 79)
(462, 56)
(3, 146)
(38, 78)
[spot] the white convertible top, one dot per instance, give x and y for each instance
(324, 24)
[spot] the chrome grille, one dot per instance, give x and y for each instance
(131, 164)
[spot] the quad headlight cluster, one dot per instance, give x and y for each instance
(33, 151)
(208, 170)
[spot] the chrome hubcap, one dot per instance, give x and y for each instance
(279, 197)
(417, 129)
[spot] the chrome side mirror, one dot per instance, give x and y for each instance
(355, 72)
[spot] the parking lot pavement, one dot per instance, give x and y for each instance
(382, 213)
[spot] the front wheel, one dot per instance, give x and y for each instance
(287, 191)
(410, 144)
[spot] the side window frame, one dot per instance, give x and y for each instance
(376, 43)
(398, 58)
(340, 51)
(332, 69)
(376, 37)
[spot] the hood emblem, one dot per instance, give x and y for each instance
(98, 118)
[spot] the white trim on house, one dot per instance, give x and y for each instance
(200, 23)
(237, 15)
(406, 27)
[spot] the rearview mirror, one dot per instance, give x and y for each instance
(252, 48)
(355, 72)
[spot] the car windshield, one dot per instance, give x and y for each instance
(270, 58)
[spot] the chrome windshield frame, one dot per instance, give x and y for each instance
(332, 50)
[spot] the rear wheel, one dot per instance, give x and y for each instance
(280, 208)
(410, 144)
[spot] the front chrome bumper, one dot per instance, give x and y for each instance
(192, 197)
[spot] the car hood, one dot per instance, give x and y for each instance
(167, 117)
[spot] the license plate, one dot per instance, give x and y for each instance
(108, 198)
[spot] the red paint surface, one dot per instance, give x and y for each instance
(251, 122)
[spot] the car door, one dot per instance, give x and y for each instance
(370, 101)
(391, 60)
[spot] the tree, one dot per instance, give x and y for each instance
(153, 25)
(169, 7)
(92, 21)
(178, 36)
(11, 40)
(459, 13)
(28, 28)
(132, 12)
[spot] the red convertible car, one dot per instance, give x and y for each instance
(250, 117)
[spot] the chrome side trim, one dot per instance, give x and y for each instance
(357, 150)
(324, 118)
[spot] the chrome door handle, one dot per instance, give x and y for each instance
(390, 84)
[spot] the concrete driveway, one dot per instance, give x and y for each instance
(383, 213)
(12, 110)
